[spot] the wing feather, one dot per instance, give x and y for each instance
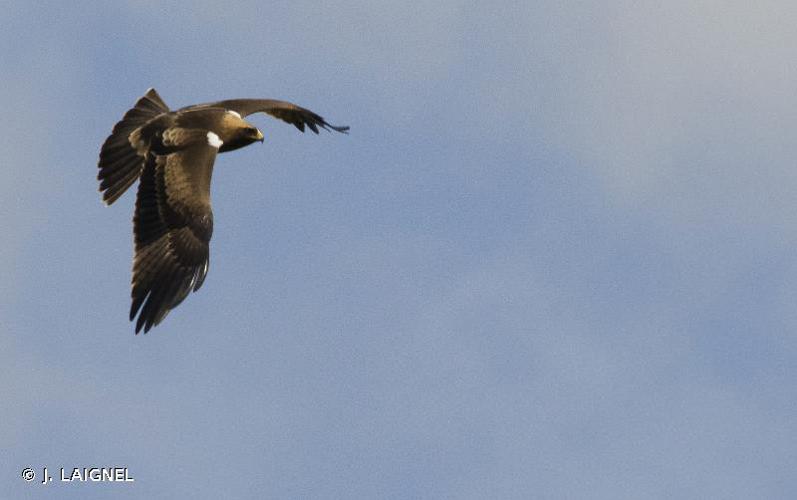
(173, 224)
(288, 112)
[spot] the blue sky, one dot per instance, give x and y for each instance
(555, 257)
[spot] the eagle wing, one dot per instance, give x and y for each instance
(173, 224)
(290, 113)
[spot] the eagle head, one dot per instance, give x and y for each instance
(237, 132)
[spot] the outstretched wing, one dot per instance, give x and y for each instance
(172, 225)
(295, 115)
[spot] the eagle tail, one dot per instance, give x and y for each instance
(120, 164)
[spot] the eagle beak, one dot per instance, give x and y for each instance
(259, 136)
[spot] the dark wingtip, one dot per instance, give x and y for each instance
(341, 129)
(138, 301)
(139, 325)
(142, 322)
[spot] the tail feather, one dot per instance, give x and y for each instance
(120, 164)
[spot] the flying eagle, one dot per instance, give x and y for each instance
(172, 152)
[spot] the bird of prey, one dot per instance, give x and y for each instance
(172, 153)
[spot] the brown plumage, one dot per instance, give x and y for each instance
(172, 152)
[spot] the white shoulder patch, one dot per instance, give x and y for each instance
(235, 113)
(214, 140)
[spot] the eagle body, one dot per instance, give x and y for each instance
(172, 154)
